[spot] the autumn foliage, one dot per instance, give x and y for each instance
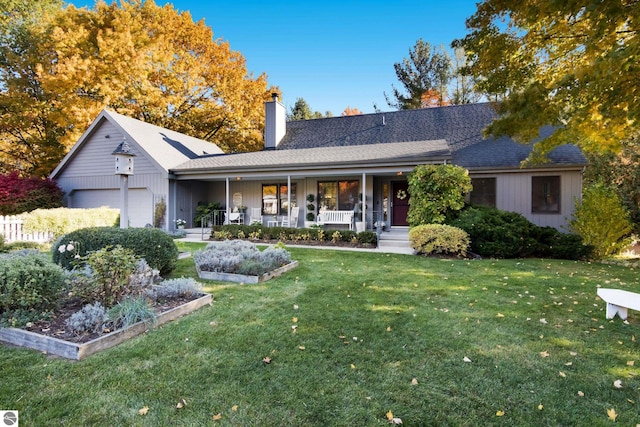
(139, 59)
(18, 195)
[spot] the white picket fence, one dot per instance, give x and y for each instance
(11, 229)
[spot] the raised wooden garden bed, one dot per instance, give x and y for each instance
(241, 278)
(79, 351)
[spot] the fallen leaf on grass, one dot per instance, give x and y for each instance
(611, 413)
(544, 354)
(580, 393)
(466, 359)
(266, 360)
(143, 410)
(499, 413)
(217, 417)
(181, 404)
(414, 381)
(353, 366)
(301, 347)
(630, 362)
(562, 374)
(295, 320)
(617, 383)
(499, 315)
(543, 321)
(388, 328)
(573, 353)
(540, 407)
(392, 419)
(234, 408)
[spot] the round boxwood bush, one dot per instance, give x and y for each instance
(155, 246)
(430, 239)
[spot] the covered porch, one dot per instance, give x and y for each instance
(268, 186)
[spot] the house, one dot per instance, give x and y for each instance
(349, 162)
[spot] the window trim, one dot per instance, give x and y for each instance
(279, 198)
(540, 204)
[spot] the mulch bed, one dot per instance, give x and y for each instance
(56, 327)
(309, 243)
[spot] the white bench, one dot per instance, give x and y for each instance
(618, 301)
(336, 217)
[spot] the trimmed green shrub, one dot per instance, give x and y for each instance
(441, 239)
(602, 221)
(60, 221)
(30, 284)
(496, 233)
(501, 234)
(155, 246)
(435, 192)
(293, 235)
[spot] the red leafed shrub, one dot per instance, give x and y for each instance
(18, 194)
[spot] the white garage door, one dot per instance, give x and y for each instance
(140, 203)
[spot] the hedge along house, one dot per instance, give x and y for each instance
(349, 162)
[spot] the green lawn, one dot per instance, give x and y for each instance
(353, 335)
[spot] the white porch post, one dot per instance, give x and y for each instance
(227, 199)
(364, 199)
(289, 199)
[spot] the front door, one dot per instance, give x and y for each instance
(400, 199)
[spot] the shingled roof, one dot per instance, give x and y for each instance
(460, 125)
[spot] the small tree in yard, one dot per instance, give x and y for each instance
(19, 194)
(436, 191)
(602, 221)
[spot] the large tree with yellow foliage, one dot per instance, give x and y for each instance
(146, 61)
(574, 65)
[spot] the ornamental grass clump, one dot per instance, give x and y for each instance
(240, 257)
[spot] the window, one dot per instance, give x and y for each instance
(275, 198)
(484, 192)
(545, 194)
(337, 195)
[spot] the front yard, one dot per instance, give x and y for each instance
(348, 338)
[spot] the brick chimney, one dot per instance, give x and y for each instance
(275, 126)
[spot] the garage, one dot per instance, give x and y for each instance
(140, 203)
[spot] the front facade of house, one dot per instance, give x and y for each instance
(346, 163)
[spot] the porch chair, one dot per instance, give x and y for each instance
(256, 216)
(234, 218)
(291, 221)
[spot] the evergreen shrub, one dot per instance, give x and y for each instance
(155, 246)
(30, 285)
(501, 234)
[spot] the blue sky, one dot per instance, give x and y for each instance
(333, 54)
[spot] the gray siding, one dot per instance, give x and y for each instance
(513, 193)
(92, 168)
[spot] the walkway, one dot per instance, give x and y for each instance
(395, 241)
